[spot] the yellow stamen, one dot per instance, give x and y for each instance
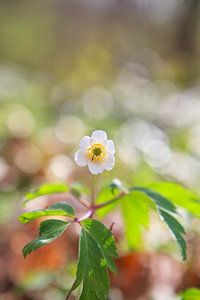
(96, 152)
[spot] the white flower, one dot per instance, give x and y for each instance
(96, 152)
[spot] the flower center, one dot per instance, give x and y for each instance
(96, 152)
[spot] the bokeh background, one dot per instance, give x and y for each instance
(67, 67)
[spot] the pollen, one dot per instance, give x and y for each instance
(96, 152)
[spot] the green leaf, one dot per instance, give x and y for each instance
(177, 231)
(49, 230)
(107, 193)
(105, 240)
(46, 189)
(179, 195)
(135, 208)
(191, 294)
(58, 209)
(159, 200)
(138, 214)
(91, 270)
(63, 206)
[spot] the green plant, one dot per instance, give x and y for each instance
(97, 248)
(191, 294)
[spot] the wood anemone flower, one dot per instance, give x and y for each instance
(96, 152)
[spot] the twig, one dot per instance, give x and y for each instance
(93, 208)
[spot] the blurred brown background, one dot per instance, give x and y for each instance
(68, 67)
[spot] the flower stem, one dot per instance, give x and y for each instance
(93, 190)
(101, 205)
(93, 208)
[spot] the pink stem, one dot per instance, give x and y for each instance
(93, 208)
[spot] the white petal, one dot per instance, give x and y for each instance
(85, 142)
(95, 168)
(80, 158)
(99, 136)
(110, 146)
(93, 141)
(109, 162)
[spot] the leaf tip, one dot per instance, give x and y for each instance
(24, 252)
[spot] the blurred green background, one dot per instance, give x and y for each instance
(68, 67)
